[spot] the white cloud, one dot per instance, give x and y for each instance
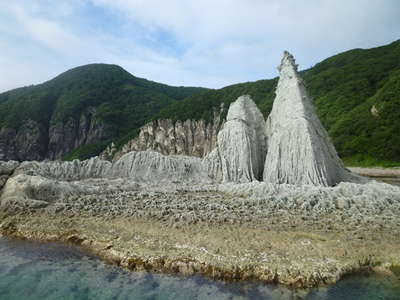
(210, 43)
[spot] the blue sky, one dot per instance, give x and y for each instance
(210, 43)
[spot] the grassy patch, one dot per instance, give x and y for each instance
(368, 161)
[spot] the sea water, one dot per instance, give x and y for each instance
(32, 270)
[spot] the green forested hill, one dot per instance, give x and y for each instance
(122, 102)
(345, 88)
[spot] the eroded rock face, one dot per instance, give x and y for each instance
(299, 148)
(212, 163)
(142, 166)
(6, 170)
(241, 142)
(151, 166)
(190, 137)
(73, 133)
(35, 141)
(28, 142)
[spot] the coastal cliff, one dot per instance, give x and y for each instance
(35, 141)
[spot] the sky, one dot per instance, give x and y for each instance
(210, 43)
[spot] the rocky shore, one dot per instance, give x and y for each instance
(226, 231)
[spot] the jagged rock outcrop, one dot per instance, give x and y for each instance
(299, 148)
(151, 166)
(190, 137)
(212, 164)
(242, 143)
(143, 166)
(6, 170)
(66, 170)
(35, 141)
(109, 152)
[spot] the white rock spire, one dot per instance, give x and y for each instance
(299, 148)
(241, 142)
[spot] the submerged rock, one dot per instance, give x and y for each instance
(241, 142)
(299, 148)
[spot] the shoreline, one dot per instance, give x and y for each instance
(112, 249)
(376, 172)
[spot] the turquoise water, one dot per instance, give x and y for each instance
(30, 270)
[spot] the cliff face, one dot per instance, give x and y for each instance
(26, 143)
(34, 141)
(64, 137)
(190, 137)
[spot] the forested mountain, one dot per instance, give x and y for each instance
(356, 94)
(81, 110)
(75, 115)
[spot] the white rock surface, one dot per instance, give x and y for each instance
(66, 170)
(142, 166)
(212, 163)
(372, 196)
(7, 167)
(299, 149)
(150, 166)
(241, 142)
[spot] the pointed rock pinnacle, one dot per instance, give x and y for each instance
(299, 148)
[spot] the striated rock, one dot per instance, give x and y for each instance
(241, 142)
(6, 170)
(109, 152)
(212, 163)
(150, 166)
(299, 148)
(35, 141)
(190, 137)
(147, 166)
(66, 170)
(28, 142)
(73, 133)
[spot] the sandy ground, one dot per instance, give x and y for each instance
(388, 175)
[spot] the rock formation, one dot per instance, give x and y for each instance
(299, 148)
(6, 170)
(292, 147)
(190, 137)
(241, 142)
(153, 167)
(36, 141)
(141, 166)
(212, 164)
(64, 137)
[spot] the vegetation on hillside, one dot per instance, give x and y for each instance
(122, 101)
(345, 87)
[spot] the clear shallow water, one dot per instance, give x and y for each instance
(30, 270)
